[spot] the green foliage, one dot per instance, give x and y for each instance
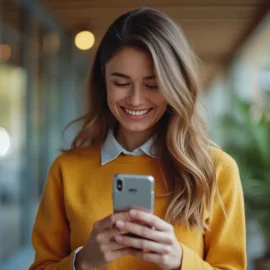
(247, 133)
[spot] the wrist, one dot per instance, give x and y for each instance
(80, 263)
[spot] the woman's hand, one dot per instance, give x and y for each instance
(158, 245)
(101, 248)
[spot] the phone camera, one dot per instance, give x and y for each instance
(119, 185)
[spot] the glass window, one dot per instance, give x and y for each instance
(12, 129)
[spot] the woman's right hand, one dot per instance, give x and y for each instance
(101, 248)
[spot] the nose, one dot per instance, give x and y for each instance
(136, 96)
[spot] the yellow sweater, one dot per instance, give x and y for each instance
(78, 193)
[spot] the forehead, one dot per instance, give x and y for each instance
(131, 61)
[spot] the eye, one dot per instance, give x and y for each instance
(121, 84)
(152, 87)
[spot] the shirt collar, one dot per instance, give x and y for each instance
(111, 149)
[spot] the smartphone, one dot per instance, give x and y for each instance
(133, 191)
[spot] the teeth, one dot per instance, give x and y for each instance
(139, 113)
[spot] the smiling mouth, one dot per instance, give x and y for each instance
(137, 112)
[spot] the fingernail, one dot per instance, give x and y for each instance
(133, 212)
(118, 238)
(120, 223)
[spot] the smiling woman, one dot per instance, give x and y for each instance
(142, 119)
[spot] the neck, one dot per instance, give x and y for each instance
(131, 140)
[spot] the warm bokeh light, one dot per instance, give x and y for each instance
(5, 52)
(4, 142)
(84, 40)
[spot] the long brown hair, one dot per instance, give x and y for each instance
(181, 141)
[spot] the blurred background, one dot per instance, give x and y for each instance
(46, 51)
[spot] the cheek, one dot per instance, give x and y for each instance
(113, 95)
(110, 99)
(159, 101)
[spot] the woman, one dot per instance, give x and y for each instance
(142, 119)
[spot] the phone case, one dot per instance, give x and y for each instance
(137, 192)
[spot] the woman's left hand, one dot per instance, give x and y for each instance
(161, 244)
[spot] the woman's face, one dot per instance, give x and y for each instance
(133, 94)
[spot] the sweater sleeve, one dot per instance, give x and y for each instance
(50, 236)
(224, 243)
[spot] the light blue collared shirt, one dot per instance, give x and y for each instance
(111, 149)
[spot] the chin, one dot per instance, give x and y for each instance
(134, 128)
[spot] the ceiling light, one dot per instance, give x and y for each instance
(84, 40)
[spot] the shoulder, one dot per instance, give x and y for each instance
(222, 160)
(77, 158)
(72, 165)
(226, 168)
(227, 172)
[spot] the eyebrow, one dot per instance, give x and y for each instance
(121, 75)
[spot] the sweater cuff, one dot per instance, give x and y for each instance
(66, 263)
(190, 259)
(74, 257)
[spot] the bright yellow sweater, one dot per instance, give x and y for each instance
(78, 192)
